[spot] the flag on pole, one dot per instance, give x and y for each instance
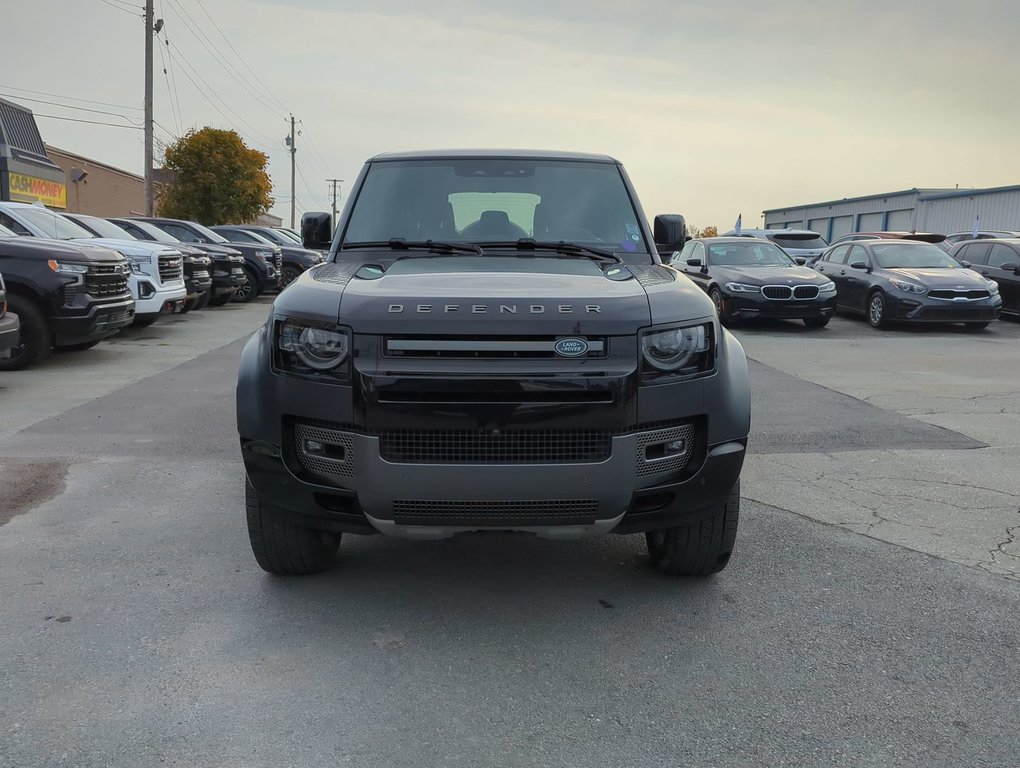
(736, 226)
(977, 222)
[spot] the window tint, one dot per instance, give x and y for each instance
(755, 253)
(975, 253)
(688, 249)
(1002, 254)
(795, 241)
(857, 253)
(12, 225)
(699, 252)
(838, 255)
(183, 234)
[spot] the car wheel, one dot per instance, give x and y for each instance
(716, 296)
(247, 290)
(820, 321)
(288, 276)
(700, 548)
(975, 326)
(283, 547)
(77, 347)
(35, 342)
(877, 310)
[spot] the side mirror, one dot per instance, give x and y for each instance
(800, 260)
(1014, 268)
(317, 231)
(694, 263)
(670, 231)
(965, 264)
(860, 265)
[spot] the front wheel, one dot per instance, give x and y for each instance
(716, 296)
(288, 276)
(283, 547)
(247, 290)
(700, 548)
(816, 322)
(35, 342)
(877, 310)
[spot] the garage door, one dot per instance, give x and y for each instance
(821, 226)
(841, 225)
(870, 222)
(901, 221)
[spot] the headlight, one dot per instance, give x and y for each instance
(829, 287)
(993, 287)
(316, 349)
(906, 287)
(265, 255)
(684, 350)
(76, 272)
(742, 288)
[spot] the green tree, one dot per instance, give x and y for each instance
(214, 179)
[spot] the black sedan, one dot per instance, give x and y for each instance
(753, 278)
(901, 280)
(998, 260)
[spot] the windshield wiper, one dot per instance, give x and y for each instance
(433, 246)
(559, 246)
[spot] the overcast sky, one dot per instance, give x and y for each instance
(714, 107)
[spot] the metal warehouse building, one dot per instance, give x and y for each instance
(921, 210)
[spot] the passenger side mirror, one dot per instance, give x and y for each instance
(670, 231)
(860, 265)
(1014, 268)
(317, 231)
(801, 261)
(965, 264)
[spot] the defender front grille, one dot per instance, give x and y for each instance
(494, 513)
(559, 446)
(170, 268)
(517, 347)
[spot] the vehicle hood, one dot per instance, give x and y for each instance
(940, 278)
(475, 294)
(216, 250)
(297, 252)
(251, 248)
(768, 275)
(136, 248)
(45, 249)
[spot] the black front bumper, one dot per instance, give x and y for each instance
(225, 280)
(197, 283)
(97, 321)
(750, 305)
(10, 332)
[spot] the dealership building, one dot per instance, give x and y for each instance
(912, 210)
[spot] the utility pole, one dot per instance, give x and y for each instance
(293, 189)
(148, 106)
(334, 182)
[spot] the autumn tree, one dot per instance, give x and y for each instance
(213, 178)
(709, 232)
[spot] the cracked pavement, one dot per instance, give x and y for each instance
(943, 480)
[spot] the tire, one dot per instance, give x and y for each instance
(716, 296)
(816, 322)
(249, 289)
(282, 547)
(144, 322)
(700, 548)
(77, 347)
(876, 310)
(219, 301)
(288, 276)
(975, 326)
(35, 342)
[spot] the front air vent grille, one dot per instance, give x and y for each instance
(562, 446)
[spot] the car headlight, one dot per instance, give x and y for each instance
(908, 287)
(829, 287)
(76, 272)
(993, 287)
(312, 349)
(742, 288)
(265, 256)
(677, 351)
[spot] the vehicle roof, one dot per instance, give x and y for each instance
(728, 239)
(1005, 240)
(507, 154)
(1011, 232)
(767, 232)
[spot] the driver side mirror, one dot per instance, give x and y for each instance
(861, 265)
(965, 264)
(1014, 268)
(317, 231)
(670, 232)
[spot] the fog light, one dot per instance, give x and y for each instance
(313, 446)
(675, 447)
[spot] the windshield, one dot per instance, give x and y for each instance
(208, 234)
(154, 232)
(486, 200)
(286, 235)
(53, 225)
(904, 256)
(104, 228)
(759, 253)
(798, 241)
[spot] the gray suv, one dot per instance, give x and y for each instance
(798, 243)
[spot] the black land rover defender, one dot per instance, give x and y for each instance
(493, 344)
(66, 295)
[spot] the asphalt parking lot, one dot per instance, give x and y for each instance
(870, 616)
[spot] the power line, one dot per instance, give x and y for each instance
(173, 78)
(126, 8)
(71, 106)
(68, 98)
(315, 150)
(169, 92)
(90, 122)
(240, 57)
